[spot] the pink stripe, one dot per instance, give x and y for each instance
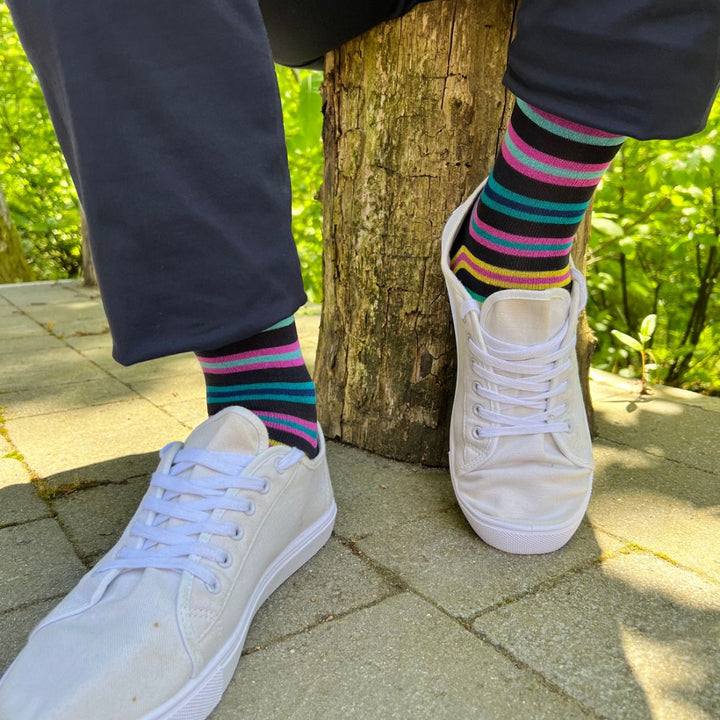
(511, 278)
(510, 236)
(293, 431)
(551, 159)
(570, 125)
(524, 253)
(309, 424)
(544, 177)
(252, 353)
(258, 366)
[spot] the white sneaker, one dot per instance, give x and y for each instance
(155, 631)
(520, 451)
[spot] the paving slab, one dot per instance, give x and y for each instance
(606, 384)
(16, 625)
(67, 395)
(375, 493)
(29, 345)
(661, 426)
(94, 518)
(189, 412)
(163, 391)
(19, 502)
(633, 638)
(177, 366)
(105, 443)
(38, 563)
(51, 367)
(81, 316)
(402, 659)
(39, 293)
(672, 509)
(18, 325)
(333, 583)
(93, 341)
(441, 558)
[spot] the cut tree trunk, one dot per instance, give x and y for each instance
(586, 342)
(13, 265)
(415, 112)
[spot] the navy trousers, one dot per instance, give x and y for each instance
(169, 117)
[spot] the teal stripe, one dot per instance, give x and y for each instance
(566, 132)
(298, 399)
(262, 386)
(288, 423)
(518, 245)
(544, 204)
(257, 360)
(520, 215)
(281, 324)
(550, 169)
(476, 296)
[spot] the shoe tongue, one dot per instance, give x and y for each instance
(525, 317)
(233, 430)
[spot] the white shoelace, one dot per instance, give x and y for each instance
(522, 377)
(158, 543)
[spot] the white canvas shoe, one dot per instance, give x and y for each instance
(155, 630)
(520, 450)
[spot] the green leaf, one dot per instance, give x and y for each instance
(631, 342)
(607, 227)
(647, 327)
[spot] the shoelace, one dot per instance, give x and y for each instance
(522, 376)
(176, 546)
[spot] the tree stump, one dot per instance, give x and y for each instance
(13, 265)
(415, 112)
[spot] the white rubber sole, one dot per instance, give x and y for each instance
(201, 694)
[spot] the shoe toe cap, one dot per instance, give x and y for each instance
(106, 662)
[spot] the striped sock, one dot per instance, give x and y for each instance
(520, 230)
(267, 375)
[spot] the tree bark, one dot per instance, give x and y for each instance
(13, 265)
(414, 114)
(586, 340)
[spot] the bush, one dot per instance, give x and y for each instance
(655, 249)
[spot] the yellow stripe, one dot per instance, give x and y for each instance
(530, 275)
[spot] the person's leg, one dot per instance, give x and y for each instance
(170, 121)
(302, 31)
(586, 74)
(169, 116)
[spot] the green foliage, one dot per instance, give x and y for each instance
(640, 345)
(655, 250)
(299, 92)
(33, 174)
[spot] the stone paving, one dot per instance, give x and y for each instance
(405, 613)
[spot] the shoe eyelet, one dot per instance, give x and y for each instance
(226, 562)
(477, 433)
(266, 485)
(477, 410)
(213, 587)
(237, 533)
(251, 510)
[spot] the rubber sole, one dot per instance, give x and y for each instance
(201, 694)
(524, 540)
